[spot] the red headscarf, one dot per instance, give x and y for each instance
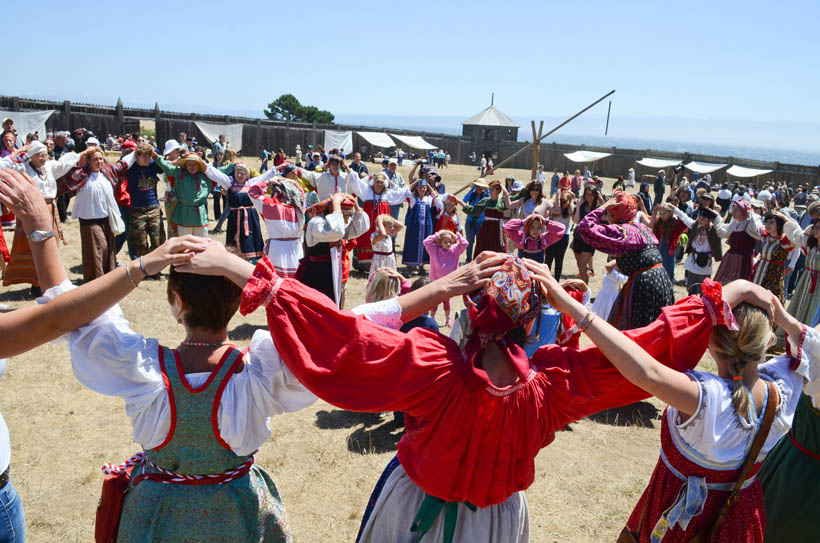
(511, 299)
(320, 208)
(627, 207)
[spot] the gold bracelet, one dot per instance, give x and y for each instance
(128, 273)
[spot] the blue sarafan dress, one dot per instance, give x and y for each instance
(244, 231)
(419, 223)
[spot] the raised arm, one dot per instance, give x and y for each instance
(166, 167)
(34, 325)
(684, 218)
(65, 163)
(219, 177)
(614, 239)
(654, 357)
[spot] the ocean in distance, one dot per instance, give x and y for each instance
(795, 142)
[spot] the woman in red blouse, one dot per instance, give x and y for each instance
(475, 420)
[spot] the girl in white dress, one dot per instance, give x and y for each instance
(381, 239)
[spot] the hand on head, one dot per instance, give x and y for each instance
(557, 297)
(740, 291)
(19, 193)
(474, 275)
(174, 252)
(209, 259)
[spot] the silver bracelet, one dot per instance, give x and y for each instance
(128, 273)
(143, 268)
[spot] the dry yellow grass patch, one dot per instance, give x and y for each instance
(324, 461)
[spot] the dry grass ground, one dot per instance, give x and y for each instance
(324, 461)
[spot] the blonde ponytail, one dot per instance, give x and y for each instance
(747, 345)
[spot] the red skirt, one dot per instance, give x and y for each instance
(745, 522)
(490, 237)
(364, 249)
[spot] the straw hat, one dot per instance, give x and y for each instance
(192, 157)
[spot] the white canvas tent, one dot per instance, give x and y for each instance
(339, 139)
(377, 139)
(232, 132)
(703, 167)
(740, 171)
(586, 156)
(28, 123)
(659, 163)
(415, 142)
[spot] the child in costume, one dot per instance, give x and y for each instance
(444, 248)
(533, 235)
(381, 243)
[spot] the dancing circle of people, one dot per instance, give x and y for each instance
(739, 455)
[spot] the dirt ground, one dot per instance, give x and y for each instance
(325, 461)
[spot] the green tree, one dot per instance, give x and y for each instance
(288, 108)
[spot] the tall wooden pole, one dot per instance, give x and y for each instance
(534, 151)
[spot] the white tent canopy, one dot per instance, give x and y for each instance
(658, 162)
(586, 156)
(415, 142)
(232, 132)
(703, 167)
(28, 123)
(339, 139)
(740, 171)
(377, 139)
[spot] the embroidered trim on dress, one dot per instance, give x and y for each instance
(506, 391)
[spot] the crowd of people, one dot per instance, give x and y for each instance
(738, 454)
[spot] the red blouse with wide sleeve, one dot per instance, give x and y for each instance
(465, 440)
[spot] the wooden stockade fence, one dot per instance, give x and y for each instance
(103, 120)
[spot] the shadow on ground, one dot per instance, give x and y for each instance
(637, 414)
(374, 433)
(244, 331)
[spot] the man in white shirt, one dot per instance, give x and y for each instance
(328, 183)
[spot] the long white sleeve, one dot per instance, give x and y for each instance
(109, 358)
(396, 195)
(754, 226)
(218, 177)
(325, 229)
(794, 254)
(66, 162)
(684, 218)
(793, 231)
(361, 188)
(809, 365)
(359, 224)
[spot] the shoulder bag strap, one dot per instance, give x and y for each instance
(710, 530)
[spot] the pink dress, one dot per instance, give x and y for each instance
(443, 261)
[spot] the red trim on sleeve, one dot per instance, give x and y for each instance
(240, 359)
(211, 377)
(170, 392)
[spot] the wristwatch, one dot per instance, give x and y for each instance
(40, 235)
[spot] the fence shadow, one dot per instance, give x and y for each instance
(641, 414)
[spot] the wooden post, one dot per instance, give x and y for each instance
(534, 151)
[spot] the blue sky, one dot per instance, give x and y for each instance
(719, 65)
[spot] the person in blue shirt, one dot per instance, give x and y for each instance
(264, 155)
(422, 321)
(144, 219)
(554, 182)
(472, 225)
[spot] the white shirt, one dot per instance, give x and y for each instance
(764, 195)
(109, 358)
(46, 177)
(698, 245)
(5, 444)
(93, 198)
(715, 435)
(328, 184)
(725, 194)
